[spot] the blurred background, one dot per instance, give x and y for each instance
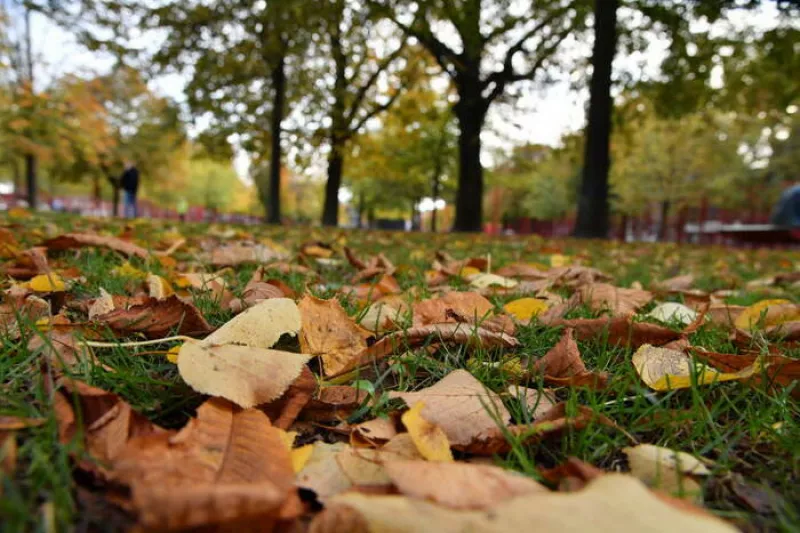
(632, 119)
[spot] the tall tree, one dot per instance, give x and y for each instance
(593, 200)
(499, 43)
(234, 51)
(362, 70)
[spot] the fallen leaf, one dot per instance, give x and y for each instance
(430, 439)
(156, 319)
(71, 241)
(767, 313)
(245, 375)
(667, 470)
(678, 283)
(158, 287)
(619, 331)
(461, 406)
(617, 300)
(459, 485)
(285, 410)
(260, 326)
(334, 403)
(466, 307)
(50, 282)
(483, 281)
(662, 370)
(776, 370)
(633, 508)
(8, 423)
(672, 311)
(240, 254)
(102, 305)
(328, 332)
(563, 364)
(537, 402)
(225, 466)
(104, 422)
(524, 309)
(572, 475)
(526, 271)
(373, 432)
(384, 315)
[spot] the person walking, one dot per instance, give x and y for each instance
(182, 208)
(130, 186)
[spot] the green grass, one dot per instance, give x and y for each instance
(745, 431)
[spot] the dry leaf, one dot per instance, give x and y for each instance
(662, 370)
(631, 508)
(459, 404)
(8, 423)
(464, 307)
(767, 313)
(672, 311)
(384, 315)
(526, 271)
(102, 305)
(563, 365)
(484, 281)
(430, 440)
(226, 465)
(260, 326)
(50, 282)
(156, 319)
(619, 301)
(678, 283)
(71, 241)
(572, 475)
(619, 331)
(285, 410)
(245, 375)
(328, 332)
(105, 422)
(373, 432)
(667, 470)
(524, 309)
(459, 485)
(240, 254)
(334, 403)
(777, 370)
(537, 402)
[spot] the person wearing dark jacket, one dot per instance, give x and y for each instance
(130, 186)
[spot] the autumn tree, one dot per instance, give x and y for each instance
(485, 47)
(410, 156)
(360, 69)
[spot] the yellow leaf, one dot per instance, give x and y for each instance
(558, 260)
(47, 283)
(484, 281)
(663, 369)
(126, 270)
(19, 212)
(172, 353)
(666, 469)
(525, 308)
(300, 456)
(429, 438)
(773, 312)
(468, 271)
(416, 255)
(158, 287)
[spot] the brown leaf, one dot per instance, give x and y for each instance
(563, 365)
(459, 485)
(334, 403)
(71, 241)
(28, 263)
(614, 502)
(465, 307)
(28, 308)
(240, 254)
(724, 315)
(105, 422)
(285, 410)
(620, 331)
(328, 332)
(523, 271)
(61, 349)
(228, 464)
(373, 432)
(575, 276)
(617, 300)
(8, 423)
(156, 319)
(678, 283)
(538, 402)
(572, 475)
(777, 369)
(461, 406)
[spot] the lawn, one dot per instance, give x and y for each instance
(65, 463)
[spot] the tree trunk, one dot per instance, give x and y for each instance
(469, 198)
(593, 200)
(664, 222)
(338, 134)
(97, 197)
(19, 184)
(330, 213)
(279, 103)
(31, 181)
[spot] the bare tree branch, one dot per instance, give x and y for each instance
(364, 89)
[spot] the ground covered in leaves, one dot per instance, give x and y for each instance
(174, 377)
